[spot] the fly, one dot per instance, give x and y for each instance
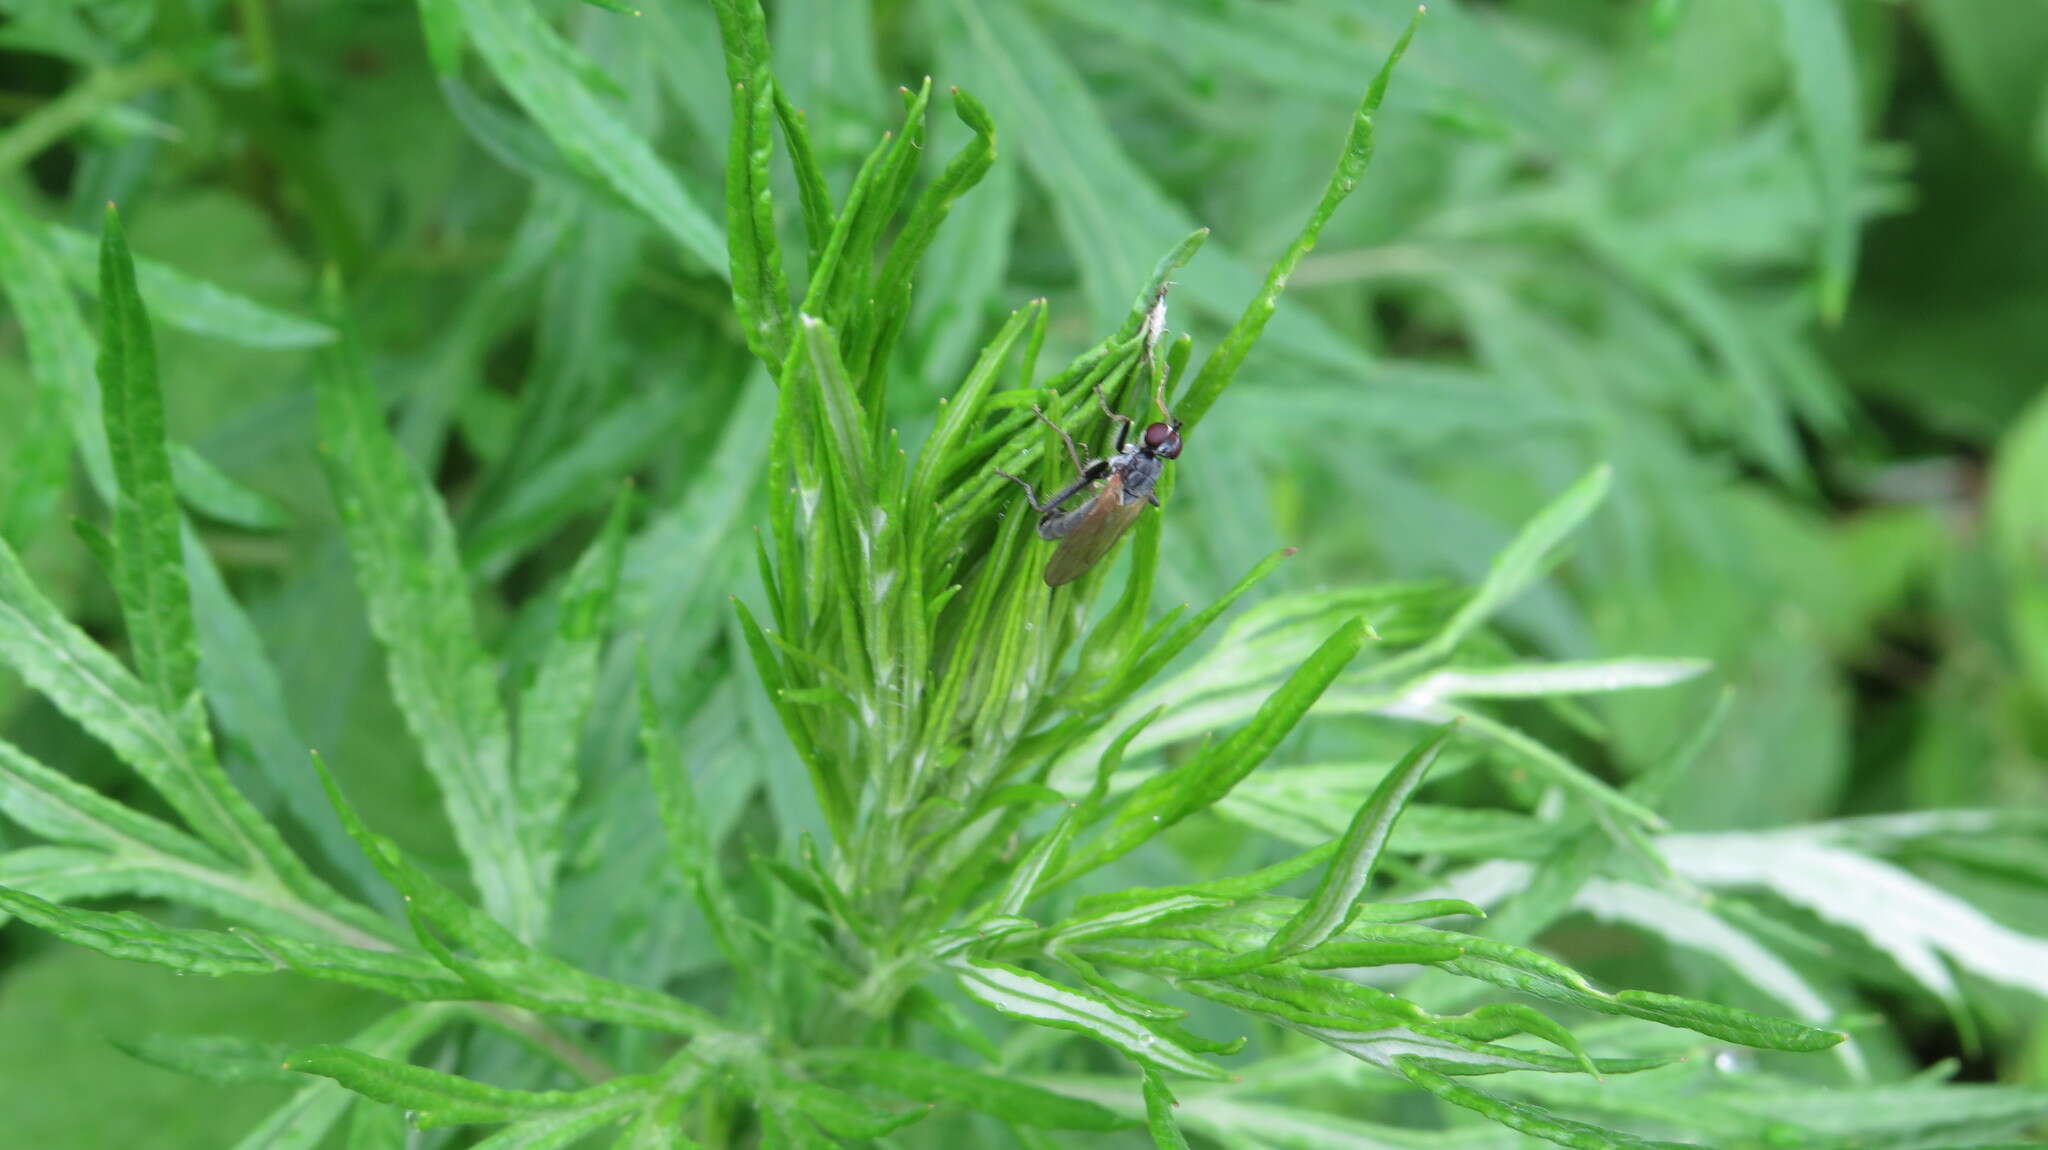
(1127, 478)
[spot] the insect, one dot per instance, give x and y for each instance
(1126, 479)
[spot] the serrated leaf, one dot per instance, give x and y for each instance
(1332, 906)
(532, 62)
(149, 568)
(689, 841)
(158, 728)
(554, 706)
(128, 935)
(417, 595)
(929, 1079)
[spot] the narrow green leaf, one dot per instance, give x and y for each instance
(1144, 662)
(1159, 1107)
(1025, 996)
(1531, 1120)
(928, 1079)
(812, 192)
(303, 1122)
(242, 688)
(846, 1116)
(1727, 1022)
(891, 285)
(1343, 954)
(1131, 921)
(1023, 881)
(1335, 901)
(1165, 799)
(444, 1099)
(554, 706)
(1559, 769)
(68, 874)
(1518, 565)
(760, 291)
(1221, 366)
(535, 66)
(848, 458)
(690, 845)
(127, 935)
(149, 569)
(224, 1060)
(557, 1131)
(211, 492)
(441, 26)
(170, 748)
(1815, 38)
(658, 1127)
(64, 811)
(39, 468)
(373, 1127)
(505, 968)
(1236, 887)
(417, 595)
(187, 303)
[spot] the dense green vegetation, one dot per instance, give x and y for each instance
(1587, 680)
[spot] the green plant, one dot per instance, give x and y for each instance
(949, 833)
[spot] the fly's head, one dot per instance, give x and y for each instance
(1162, 440)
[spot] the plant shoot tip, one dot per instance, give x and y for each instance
(1290, 550)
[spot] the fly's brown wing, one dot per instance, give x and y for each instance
(1094, 535)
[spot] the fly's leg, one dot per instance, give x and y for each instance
(1050, 509)
(1080, 465)
(1123, 422)
(1030, 492)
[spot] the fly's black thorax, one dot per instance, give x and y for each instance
(1140, 471)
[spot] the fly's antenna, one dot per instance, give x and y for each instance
(1159, 399)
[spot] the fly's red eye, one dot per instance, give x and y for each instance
(1162, 440)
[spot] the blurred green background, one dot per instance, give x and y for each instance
(1784, 263)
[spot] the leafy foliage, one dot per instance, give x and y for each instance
(712, 763)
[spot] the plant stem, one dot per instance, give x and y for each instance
(77, 107)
